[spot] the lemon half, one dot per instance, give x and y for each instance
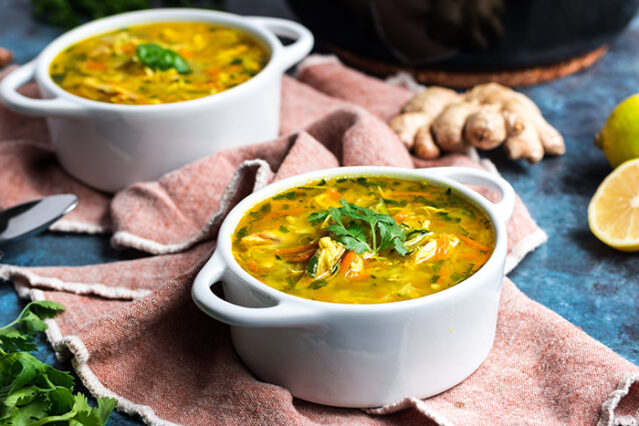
(613, 212)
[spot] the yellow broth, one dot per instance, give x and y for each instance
(108, 68)
(286, 242)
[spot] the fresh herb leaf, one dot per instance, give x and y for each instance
(158, 58)
(317, 284)
(401, 203)
(32, 392)
(448, 218)
(263, 211)
(241, 233)
(284, 229)
(311, 266)
(291, 284)
(287, 195)
(318, 217)
(361, 229)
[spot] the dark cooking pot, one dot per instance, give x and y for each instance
(466, 34)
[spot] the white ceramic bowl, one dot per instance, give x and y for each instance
(361, 355)
(110, 146)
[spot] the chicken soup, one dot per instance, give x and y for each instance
(158, 63)
(363, 240)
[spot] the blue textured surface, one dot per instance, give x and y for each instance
(573, 274)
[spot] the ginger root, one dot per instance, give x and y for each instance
(5, 57)
(486, 116)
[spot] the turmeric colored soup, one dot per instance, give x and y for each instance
(107, 68)
(363, 240)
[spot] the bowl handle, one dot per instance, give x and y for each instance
(295, 52)
(469, 176)
(49, 107)
(281, 315)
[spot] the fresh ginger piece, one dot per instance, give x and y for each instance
(526, 145)
(419, 112)
(520, 112)
(486, 128)
(486, 116)
(432, 100)
(551, 139)
(406, 126)
(425, 147)
(448, 127)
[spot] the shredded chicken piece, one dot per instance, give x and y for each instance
(258, 239)
(357, 265)
(414, 241)
(328, 253)
(93, 83)
(426, 252)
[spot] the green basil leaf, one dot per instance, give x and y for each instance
(156, 57)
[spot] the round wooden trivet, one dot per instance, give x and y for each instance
(464, 80)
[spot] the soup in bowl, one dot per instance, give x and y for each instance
(133, 96)
(363, 240)
(159, 63)
(354, 287)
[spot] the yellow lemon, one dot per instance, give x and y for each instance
(619, 137)
(613, 213)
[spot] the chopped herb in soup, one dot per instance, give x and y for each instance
(158, 63)
(363, 240)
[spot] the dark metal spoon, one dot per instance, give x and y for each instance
(33, 217)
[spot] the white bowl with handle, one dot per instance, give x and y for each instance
(110, 146)
(361, 355)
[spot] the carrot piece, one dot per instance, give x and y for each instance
(334, 194)
(358, 277)
(185, 53)
(473, 243)
(296, 249)
(93, 65)
(129, 47)
(442, 246)
(281, 213)
(348, 258)
(469, 255)
(253, 265)
(400, 216)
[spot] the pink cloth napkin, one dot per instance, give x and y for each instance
(134, 334)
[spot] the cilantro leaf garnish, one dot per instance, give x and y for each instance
(361, 229)
(158, 58)
(32, 392)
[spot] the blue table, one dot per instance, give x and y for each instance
(574, 274)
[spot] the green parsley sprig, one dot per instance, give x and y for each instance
(361, 229)
(32, 392)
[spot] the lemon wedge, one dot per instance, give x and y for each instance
(613, 212)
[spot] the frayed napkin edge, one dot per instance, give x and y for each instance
(74, 347)
(19, 274)
(126, 239)
(77, 227)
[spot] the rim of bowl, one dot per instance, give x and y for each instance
(230, 223)
(143, 17)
